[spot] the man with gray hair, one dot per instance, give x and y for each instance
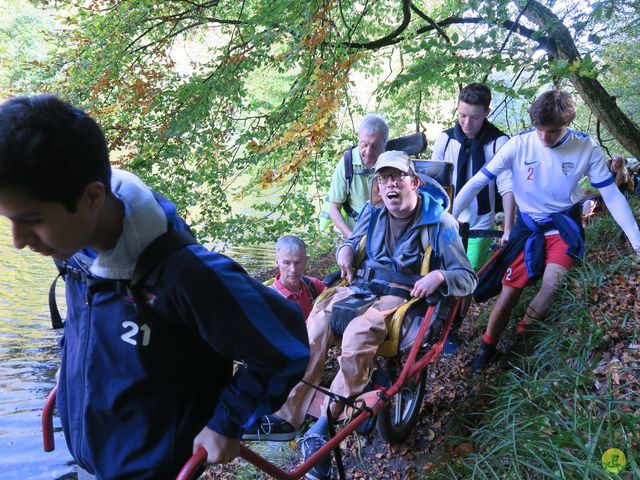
(351, 181)
(290, 282)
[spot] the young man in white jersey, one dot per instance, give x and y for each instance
(547, 164)
(469, 145)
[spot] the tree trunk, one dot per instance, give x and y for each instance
(603, 105)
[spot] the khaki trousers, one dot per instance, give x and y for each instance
(359, 344)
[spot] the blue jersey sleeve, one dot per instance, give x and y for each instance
(243, 320)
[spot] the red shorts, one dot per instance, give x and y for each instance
(554, 252)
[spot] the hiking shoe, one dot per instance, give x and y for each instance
(310, 444)
(270, 428)
(486, 353)
(452, 345)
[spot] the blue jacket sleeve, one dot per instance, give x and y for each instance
(245, 321)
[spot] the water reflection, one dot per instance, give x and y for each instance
(28, 360)
(254, 258)
(29, 356)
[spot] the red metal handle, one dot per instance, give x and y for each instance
(47, 421)
(190, 468)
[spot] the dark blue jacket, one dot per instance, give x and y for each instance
(137, 385)
(528, 236)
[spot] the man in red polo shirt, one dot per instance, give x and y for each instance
(291, 258)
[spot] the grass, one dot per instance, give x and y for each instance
(556, 413)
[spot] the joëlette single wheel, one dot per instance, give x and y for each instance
(398, 418)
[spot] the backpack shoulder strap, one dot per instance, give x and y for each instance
(347, 158)
(427, 250)
(158, 250)
(310, 286)
(446, 145)
(155, 253)
(54, 313)
(63, 271)
(150, 257)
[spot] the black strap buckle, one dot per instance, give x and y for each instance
(366, 275)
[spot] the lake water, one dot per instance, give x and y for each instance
(29, 357)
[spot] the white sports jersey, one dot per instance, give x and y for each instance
(545, 179)
(445, 149)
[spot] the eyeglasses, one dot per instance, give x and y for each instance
(396, 177)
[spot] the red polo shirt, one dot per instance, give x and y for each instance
(303, 296)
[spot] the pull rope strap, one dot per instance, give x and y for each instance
(359, 405)
(336, 451)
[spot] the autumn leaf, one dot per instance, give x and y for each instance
(462, 449)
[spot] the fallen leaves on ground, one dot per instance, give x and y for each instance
(614, 307)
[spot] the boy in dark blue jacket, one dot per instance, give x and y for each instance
(143, 383)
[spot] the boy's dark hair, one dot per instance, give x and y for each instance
(476, 94)
(553, 107)
(51, 150)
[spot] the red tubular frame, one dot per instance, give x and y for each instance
(48, 441)
(189, 470)
(410, 370)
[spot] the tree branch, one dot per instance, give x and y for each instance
(390, 39)
(431, 22)
(592, 92)
(506, 39)
(544, 42)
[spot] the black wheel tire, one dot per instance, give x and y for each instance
(398, 418)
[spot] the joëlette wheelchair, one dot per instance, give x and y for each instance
(396, 420)
(417, 331)
(416, 334)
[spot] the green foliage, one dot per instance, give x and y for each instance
(239, 111)
(623, 78)
(24, 34)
